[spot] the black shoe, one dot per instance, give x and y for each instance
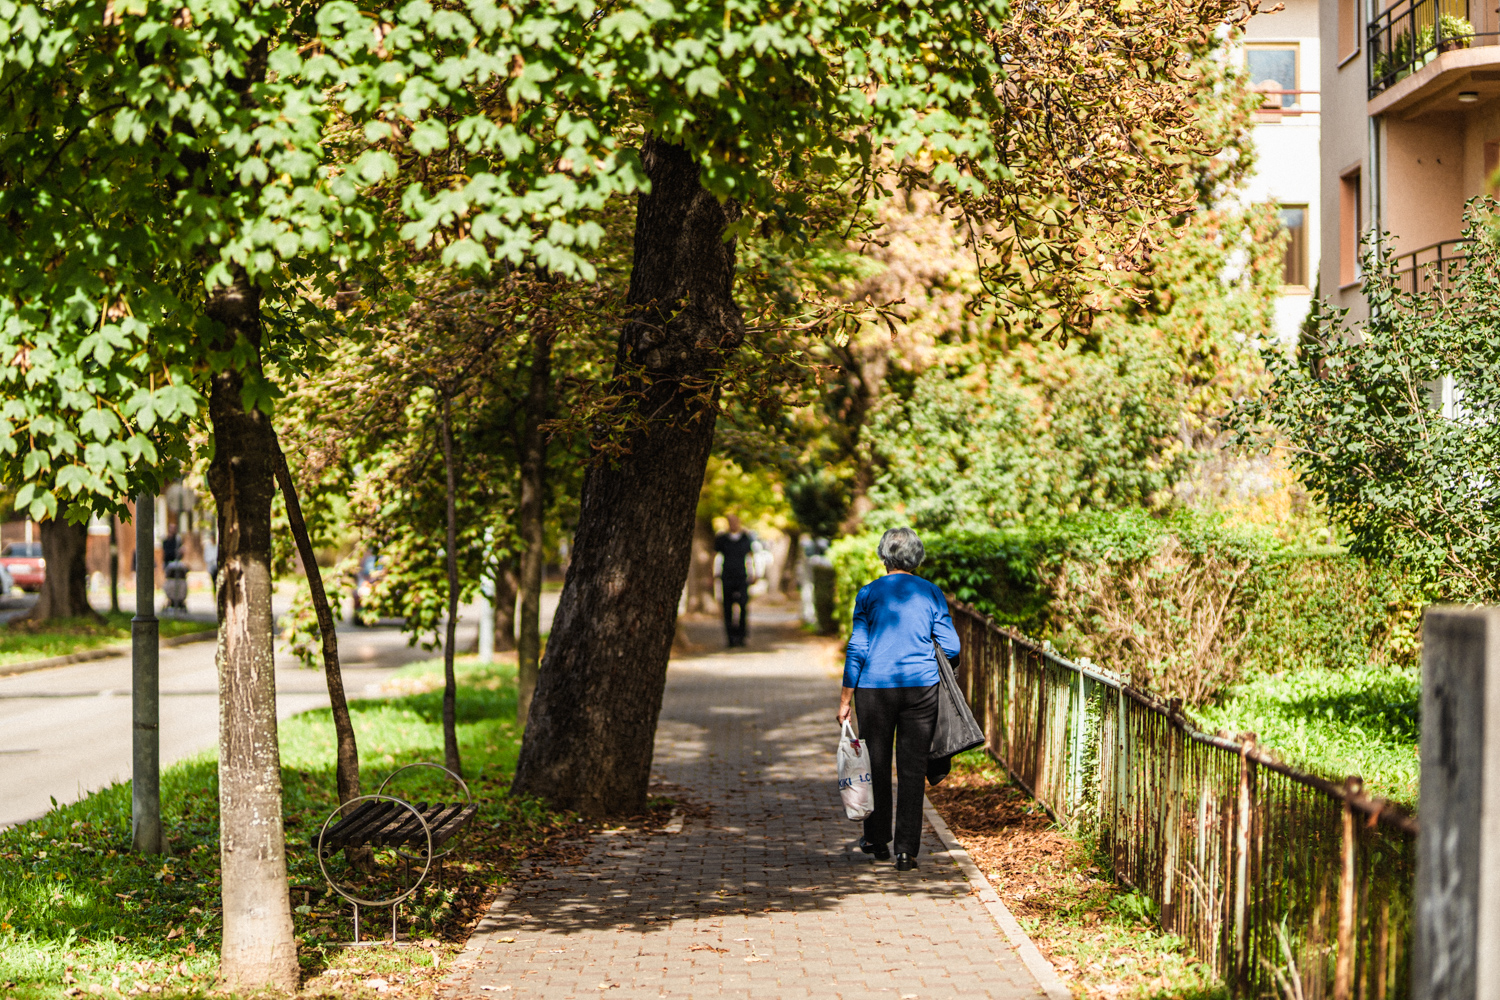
(881, 851)
(905, 862)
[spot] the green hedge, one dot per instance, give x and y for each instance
(1186, 605)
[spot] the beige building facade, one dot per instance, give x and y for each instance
(1410, 132)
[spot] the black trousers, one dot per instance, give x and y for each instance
(904, 717)
(736, 595)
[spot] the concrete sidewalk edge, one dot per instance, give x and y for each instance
(1040, 969)
(461, 966)
(102, 653)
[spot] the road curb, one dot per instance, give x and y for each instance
(102, 653)
(1036, 964)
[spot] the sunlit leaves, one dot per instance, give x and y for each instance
(147, 170)
(1412, 478)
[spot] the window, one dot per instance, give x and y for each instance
(1491, 169)
(1351, 224)
(1348, 29)
(1273, 71)
(1294, 264)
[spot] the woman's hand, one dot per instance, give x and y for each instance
(846, 705)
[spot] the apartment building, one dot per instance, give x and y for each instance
(1281, 55)
(1411, 131)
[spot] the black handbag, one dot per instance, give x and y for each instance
(956, 730)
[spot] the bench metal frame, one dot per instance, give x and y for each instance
(393, 827)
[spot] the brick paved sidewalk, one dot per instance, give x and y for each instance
(766, 897)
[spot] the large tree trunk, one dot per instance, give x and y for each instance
(589, 737)
(346, 754)
(450, 681)
(532, 511)
(258, 947)
(65, 587)
(506, 586)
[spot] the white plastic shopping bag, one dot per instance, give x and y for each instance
(854, 776)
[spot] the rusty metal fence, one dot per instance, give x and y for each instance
(1289, 885)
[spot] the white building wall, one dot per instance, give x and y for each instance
(1287, 163)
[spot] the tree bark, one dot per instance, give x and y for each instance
(258, 948)
(347, 750)
(701, 572)
(65, 587)
(531, 512)
(507, 584)
(787, 583)
(450, 681)
(114, 564)
(589, 737)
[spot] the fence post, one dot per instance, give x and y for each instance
(1457, 905)
(1003, 655)
(1244, 814)
(1172, 833)
(1010, 701)
(1075, 763)
(1343, 970)
(1122, 778)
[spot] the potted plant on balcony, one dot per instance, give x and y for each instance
(1390, 65)
(1458, 33)
(1455, 33)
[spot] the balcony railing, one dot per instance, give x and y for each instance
(1274, 104)
(1430, 267)
(1412, 33)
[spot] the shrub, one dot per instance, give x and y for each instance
(1186, 606)
(1411, 484)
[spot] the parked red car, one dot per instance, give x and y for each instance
(24, 562)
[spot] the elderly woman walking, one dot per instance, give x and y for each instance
(891, 679)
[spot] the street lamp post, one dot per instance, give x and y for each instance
(145, 702)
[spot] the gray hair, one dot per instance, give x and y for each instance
(900, 548)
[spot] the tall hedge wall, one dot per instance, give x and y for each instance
(1184, 605)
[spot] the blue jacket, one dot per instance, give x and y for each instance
(896, 618)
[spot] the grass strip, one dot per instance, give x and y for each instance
(1334, 723)
(81, 916)
(1102, 939)
(64, 636)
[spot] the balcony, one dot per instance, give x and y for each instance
(1410, 35)
(1430, 267)
(1282, 105)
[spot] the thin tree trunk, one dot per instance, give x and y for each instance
(114, 564)
(65, 587)
(347, 752)
(506, 586)
(532, 511)
(701, 573)
(258, 947)
(589, 736)
(450, 682)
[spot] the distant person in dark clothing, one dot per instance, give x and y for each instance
(735, 546)
(171, 547)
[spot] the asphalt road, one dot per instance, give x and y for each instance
(65, 731)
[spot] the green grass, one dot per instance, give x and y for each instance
(1334, 724)
(76, 905)
(74, 635)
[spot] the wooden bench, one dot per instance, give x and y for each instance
(391, 824)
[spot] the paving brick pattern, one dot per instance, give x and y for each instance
(765, 896)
